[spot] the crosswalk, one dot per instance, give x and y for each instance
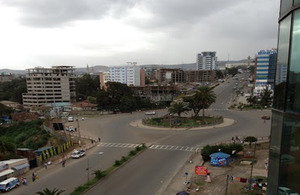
(119, 145)
(176, 148)
(152, 147)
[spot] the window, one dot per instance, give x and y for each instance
(285, 6)
(289, 158)
(282, 63)
(293, 95)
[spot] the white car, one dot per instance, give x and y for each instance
(70, 128)
(70, 119)
(151, 113)
(77, 153)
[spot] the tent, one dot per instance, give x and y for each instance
(219, 159)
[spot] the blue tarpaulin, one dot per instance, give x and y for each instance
(219, 159)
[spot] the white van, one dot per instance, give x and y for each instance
(9, 184)
(70, 119)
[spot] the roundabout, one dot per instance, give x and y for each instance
(226, 122)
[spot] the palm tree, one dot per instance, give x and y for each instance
(178, 108)
(204, 97)
(46, 191)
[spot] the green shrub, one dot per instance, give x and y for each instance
(124, 159)
(132, 152)
(208, 150)
(117, 163)
(99, 174)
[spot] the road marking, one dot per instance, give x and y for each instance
(152, 147)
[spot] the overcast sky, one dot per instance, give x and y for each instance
(112, 32)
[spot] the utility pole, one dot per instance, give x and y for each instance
(250, 180)
(88, 170)
(78, 129)
(226, 184)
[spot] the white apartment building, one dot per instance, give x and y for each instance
(129, 75)
(49, 85)
(206, 60)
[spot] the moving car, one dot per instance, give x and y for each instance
(9, 184)
(77, 153)
(70, 118)
(151, 113)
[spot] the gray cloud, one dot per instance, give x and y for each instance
(53, 13)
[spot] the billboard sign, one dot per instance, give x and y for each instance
(200, 170)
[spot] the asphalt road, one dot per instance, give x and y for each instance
(151, 171)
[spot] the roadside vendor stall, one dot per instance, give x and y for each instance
(219, 159)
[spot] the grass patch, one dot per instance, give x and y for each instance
(185, 122)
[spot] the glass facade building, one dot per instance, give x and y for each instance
(265, 69)
(284, 157)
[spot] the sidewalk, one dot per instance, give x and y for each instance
(56, 162)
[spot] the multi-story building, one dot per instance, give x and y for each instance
(265, 67)
(169, 76)
(104, 77)
(199, 76)
(129, 75)
(49, 85)
(206, 60)
(284, 156)
(6, 76)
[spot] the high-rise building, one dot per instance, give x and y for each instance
(49, 85)
(206, 60)
(265, 67)
(284, 156)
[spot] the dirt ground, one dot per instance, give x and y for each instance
(218, 175)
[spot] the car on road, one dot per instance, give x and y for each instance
(70, 118)
(9, 184)
(77, 153)
(150, 113)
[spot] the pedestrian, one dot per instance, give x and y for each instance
(99, 139)
(46, 165)
(33, 177)
(63, 163)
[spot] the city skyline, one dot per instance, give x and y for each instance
(77, 33)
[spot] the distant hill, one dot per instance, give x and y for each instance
(102, 68)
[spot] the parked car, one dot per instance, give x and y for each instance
(9, 184)
(77, 153)
(70, 128)
(151, 113)
(286, 191)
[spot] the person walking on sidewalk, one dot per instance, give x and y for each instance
(63, 163)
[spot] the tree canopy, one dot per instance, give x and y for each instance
(86, 86)
(12, 90)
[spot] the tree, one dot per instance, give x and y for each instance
(266, 97)
(86, 86)
(54, 191)
(7, 146)
(219, 74)
(178, 108)
(252, 100)
(204, 97)
(250, 139)
(12, 90)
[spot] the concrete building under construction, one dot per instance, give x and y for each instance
(49, 85)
